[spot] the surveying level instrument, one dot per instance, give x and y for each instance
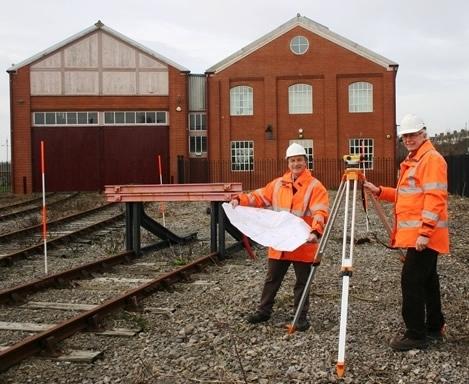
(351, 177)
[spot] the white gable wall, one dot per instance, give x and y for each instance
(99, 64)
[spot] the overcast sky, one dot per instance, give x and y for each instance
(429, 39)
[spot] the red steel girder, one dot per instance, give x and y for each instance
(172, 192)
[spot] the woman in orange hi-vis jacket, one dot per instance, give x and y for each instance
(421, 226)
(301, 194)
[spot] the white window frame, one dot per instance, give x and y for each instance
(299, 45)
(242, 156)
(130, 117)
(241, 101)
(364, 146)
(300, 99)
(308, 145)
(64, 118)
(360, 97)
(61, 118)
(197, 128)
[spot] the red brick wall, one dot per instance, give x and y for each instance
(21, 131)
(24, 105)
(329, 68)
(178, 142)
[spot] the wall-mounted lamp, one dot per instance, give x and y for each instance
(300, 133)
(388, 136)
(178, 108)
(269, 134)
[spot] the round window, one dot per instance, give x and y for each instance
(299, 45)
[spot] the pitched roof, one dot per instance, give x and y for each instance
(97, 26)
(312, 26)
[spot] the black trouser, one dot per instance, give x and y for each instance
(275, 273)
(421, 302)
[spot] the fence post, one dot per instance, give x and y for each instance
(181, 173)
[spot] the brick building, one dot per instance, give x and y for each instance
(304, 83)
(104, 105)
(301, 82)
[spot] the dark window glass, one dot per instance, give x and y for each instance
(130, 117)
(71, 117)
(39, 118)
(108, 117)
(151, 117)
(119, 117)
(161, 117)
(61, 118)
(50, 117)
(92, 117)
(140, 117)
(82, 118)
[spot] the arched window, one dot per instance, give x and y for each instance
(360, 97)
(300, 98)
(241, 100)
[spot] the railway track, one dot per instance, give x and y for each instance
(12, 212)
(38, 313)
(62, 231)
(124, 284)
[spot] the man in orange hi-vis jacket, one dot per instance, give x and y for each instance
(301, 194)
(421, 226)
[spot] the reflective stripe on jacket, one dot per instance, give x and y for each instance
(421, 200)
(310, 202)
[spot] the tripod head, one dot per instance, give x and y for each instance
(353, 160)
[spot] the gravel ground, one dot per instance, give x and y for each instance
(196, 332)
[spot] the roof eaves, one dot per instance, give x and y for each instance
(53, 48)
(312, 26)
(144, 49)
(255, 45)
(98, 25)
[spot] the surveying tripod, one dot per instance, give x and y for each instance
(352, 175)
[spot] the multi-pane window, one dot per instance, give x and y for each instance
(198, 134)
(360, 97)
(242, 155)
(365, 148)
(65, 118)
(309, 148)
(300, 98)
(241, 100)
(135, 118)
(106, 118)
(299, 45)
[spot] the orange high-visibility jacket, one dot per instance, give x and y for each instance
(310, 202)
(421, 200)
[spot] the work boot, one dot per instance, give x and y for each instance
(404, 343)
(258, 317)
(437, 335)
(302, 325)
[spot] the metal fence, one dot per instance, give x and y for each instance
(328, 171)
(458, 174)
(5, 177)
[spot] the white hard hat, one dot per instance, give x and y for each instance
(410, 124)
(295, 150)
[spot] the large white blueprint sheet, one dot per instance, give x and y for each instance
(282, 231)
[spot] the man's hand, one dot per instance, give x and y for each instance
(371, 188)
(312, 238)
(421, 243)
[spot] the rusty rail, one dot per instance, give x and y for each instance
(89, 319)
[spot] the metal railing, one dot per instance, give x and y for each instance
(328, 171)
(5, 177)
